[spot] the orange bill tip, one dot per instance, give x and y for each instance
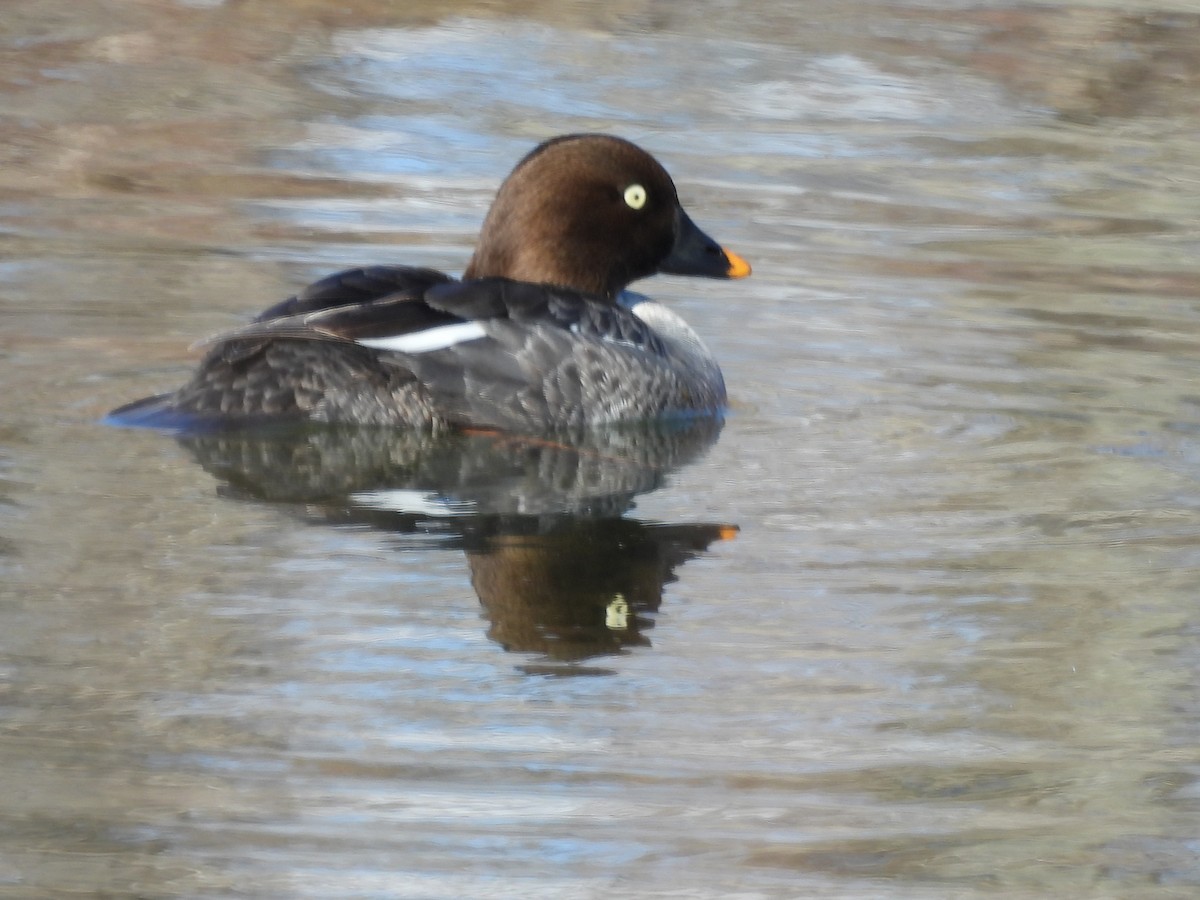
(738, 267)
(727, 532)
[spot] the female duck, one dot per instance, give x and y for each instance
(536, 336)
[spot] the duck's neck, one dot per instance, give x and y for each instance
(527, 248)
(520, 264)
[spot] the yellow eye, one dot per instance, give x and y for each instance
(635, 196)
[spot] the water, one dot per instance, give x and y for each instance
(921, 621)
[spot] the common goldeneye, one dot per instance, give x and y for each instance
(538, 335)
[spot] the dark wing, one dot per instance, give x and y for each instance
(364, 302)
(384, 303)
(354, 286)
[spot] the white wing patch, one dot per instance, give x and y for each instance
(428, 340)
(418, 502)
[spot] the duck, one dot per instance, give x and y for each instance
(539, 334)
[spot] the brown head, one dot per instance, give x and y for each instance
(594, 213)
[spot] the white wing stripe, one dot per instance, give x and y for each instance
(428, 340)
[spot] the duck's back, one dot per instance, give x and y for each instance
(415, 348)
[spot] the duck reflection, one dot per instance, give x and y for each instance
(559, 568)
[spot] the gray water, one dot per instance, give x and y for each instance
(921, 622)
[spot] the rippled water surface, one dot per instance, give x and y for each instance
(920, 622)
